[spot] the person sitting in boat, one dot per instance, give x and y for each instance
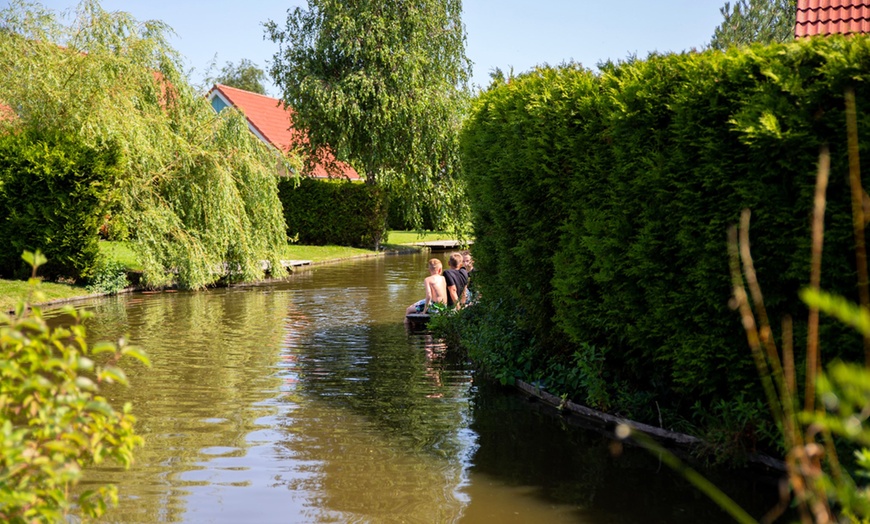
(436, 289)
(456, 282)
(468, 265)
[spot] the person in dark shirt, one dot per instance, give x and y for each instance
(457, 280)
(468, 266)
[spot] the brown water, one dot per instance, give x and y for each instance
(309, 401)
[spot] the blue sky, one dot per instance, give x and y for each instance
(501, 33)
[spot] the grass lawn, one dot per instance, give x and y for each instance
(395, 240)
(12, 290)
(121, 252)
(410, 237)
(322, 253)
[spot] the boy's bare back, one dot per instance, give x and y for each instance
(436, 288)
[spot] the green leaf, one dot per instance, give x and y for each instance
(34, 259)
(838, 307)
(136, 353)
(103, 347)
(112, 374)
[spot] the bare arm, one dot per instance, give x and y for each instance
(428, 295)
(453, 296)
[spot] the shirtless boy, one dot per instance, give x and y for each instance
(436, 289)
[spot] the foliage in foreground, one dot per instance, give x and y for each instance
(197, 192)
(53, 421)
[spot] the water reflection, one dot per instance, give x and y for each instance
(299, 402)
(308, 401)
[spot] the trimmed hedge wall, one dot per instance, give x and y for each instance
(327, 212)
(601, 204)
(54, 193)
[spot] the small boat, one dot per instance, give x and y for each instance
(417, 319)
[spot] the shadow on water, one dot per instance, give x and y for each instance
(541, 456)
(309, 401)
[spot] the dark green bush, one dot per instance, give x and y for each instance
(398, 218)
(601, 204)
(54, 190)
(324, 212)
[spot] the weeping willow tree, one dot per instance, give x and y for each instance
(198, 194)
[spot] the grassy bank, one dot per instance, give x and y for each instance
(12, 290)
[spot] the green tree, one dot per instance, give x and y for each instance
(750, 21)
(245, 76)
(384, 85)
(197, 191)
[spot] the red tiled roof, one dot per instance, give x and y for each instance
(826, 17)
(273, 124)
(6, 112)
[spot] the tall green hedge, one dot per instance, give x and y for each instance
(328, 212)
(601, 203)
(54, 193)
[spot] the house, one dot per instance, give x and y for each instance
(272, 123)
(827, 17)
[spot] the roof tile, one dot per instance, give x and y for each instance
(827, 17)
(274, 123)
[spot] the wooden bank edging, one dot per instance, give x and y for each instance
(662, 435)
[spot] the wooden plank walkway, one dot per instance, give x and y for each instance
(442, 245)
(286, 263)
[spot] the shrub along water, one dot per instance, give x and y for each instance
(320, 212)
(54, 192)
(601, 203)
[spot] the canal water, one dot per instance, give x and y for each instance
(309, 401)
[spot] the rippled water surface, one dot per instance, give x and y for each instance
(310, 401)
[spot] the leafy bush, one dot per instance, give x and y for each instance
(109, 277)
(492, 338)
(601, 202)
(53, 422)
(54, 190)
(320, 212)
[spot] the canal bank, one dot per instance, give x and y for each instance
(69, 294)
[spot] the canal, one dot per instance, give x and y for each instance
(309, 401)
